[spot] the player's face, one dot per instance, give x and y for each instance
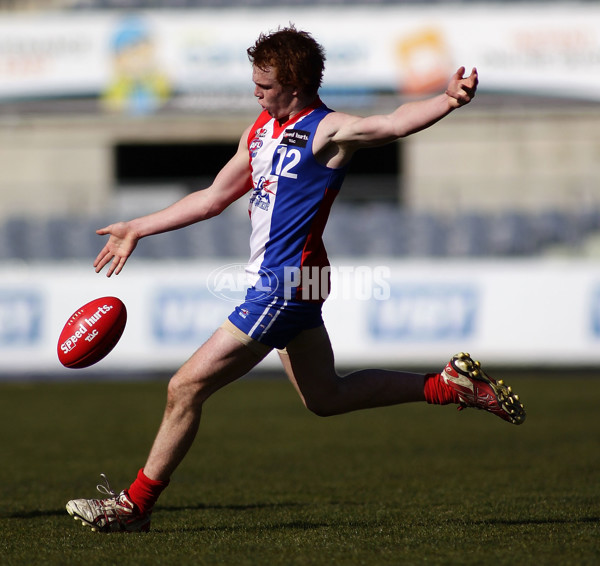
(277, 100)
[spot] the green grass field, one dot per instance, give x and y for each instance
(267, 483)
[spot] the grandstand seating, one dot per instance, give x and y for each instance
(374, 230)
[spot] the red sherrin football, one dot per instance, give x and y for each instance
(92, 332)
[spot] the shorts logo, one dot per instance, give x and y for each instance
(297, 138)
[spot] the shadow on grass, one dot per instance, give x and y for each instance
(291, 525)
(512, 522)
(303, 525)
(35, 514)
(229, 507)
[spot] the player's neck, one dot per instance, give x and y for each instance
(299, 107)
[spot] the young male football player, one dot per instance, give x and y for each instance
(292, 160)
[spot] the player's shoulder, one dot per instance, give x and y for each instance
(334, 121)
(338, 118)
(325, 147)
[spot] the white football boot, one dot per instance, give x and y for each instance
(117, 513)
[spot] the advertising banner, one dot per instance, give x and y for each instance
(381, 314)
(138, 61)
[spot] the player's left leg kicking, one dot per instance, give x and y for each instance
(309, 364)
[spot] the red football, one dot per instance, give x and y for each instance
(91, 332)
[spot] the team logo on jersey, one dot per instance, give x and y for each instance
(298, 138)
(260, 133)
(263, 194)
(254, 146)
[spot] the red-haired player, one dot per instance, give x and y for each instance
(293, 158)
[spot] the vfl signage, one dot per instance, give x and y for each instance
(186, 315)
(20, 318)
(595, 312)
(424, 313)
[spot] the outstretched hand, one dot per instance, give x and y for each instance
(461, 89)
(119, 247)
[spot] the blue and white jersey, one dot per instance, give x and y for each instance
(290, 203)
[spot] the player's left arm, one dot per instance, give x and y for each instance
(408, 118)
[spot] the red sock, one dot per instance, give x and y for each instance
(437, 392)
(144, 492)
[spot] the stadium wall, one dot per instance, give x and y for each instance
(543, 313)
(493, 154)
(476, 159)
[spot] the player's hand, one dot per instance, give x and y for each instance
(461, 89)
(119, 247)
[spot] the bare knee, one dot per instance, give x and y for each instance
(321, 409)
(185, 392)
(323, 403)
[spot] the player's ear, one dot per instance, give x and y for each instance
(296, 91)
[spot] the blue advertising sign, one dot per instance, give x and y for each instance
(595, 312)
(186, 315)
(20, 317)
(424, 313)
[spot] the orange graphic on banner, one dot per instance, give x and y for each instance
(424, 60)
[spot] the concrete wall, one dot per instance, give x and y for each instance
(49, 166)
(506, 159)
(477, 158)
(65, 165)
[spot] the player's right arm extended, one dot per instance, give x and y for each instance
(232, 182)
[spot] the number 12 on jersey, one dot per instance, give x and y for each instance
(284, 161)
